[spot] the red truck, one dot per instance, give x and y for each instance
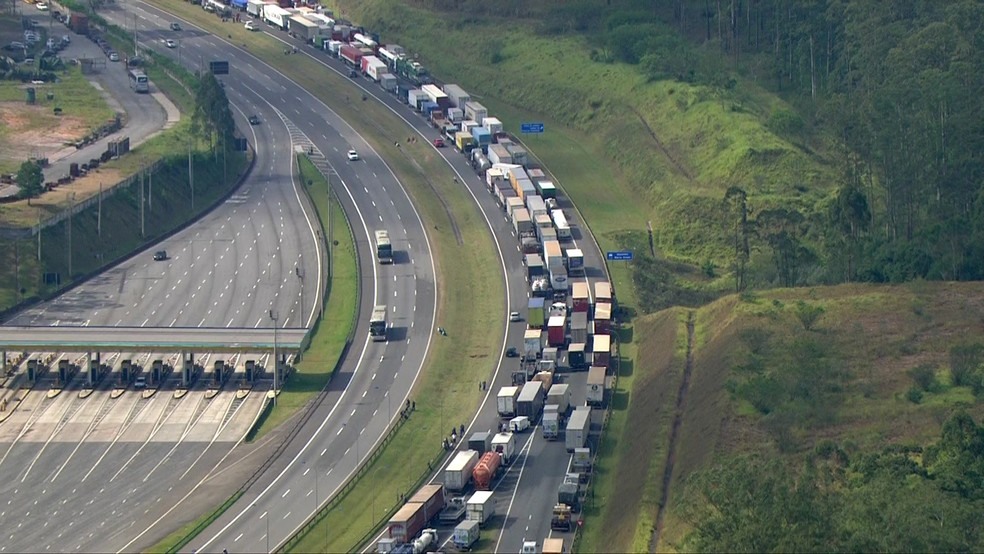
(351, 54)
(485, 470)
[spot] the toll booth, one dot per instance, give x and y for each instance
(34, 370)
(189, 371)
(64, 372)
(218, 372)
(92, 377)
(250, 370)
(127, 372)
(157, 372)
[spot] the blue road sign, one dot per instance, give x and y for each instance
(623, 256)
(531, 127)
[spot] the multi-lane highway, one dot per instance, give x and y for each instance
(528, 493)
(376, 378)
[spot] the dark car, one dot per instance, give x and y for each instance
(353, 74)
(254, 120)
(175, 26)
(160, 255)
(511, 352)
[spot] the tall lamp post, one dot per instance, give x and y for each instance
(276, 360)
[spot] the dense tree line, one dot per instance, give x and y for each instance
(903, 499)
(897, 82)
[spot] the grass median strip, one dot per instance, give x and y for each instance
(469, 287)
(319, 361)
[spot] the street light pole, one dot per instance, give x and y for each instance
(276, 359)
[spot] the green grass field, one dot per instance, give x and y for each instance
(462, 267)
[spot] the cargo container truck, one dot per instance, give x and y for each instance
(578, 428)
(373, 67)
(276, 16)
(579, 327)
(534, 203)
(553, 546)
(596, 385)
(505, 445)
(485, 470)
(518, 153)
(415, 97)
(437, 96)
(522, 223)
(334, 46)
(560, 223)
(558, 279)
(499, 155)
(475, 112)
(530, 400)
(504, 193)
(582, 460)
(389, 82)
(506, 403)
(551, 425)
(463, 141)
(576, 358)
(569, 494)
(483, 138)
(481, 507)
(466, 534)
(365, 41)
(546, 189)
(552, 254)
(575, 265)
(529, 244)
(556, 330)
(525, 188)
(560, 395)
(540, 287)
(351, 55)
(534, 265)
(601, 347)
(492, 124)
(548, 233)
(384, 248)
(255, 7)
(580, 301)
(512, 204)
(432, 499)
(603, 292)
(457, 95)
(543, 222)
(480, 442)
(603, 318)
(303, 27)
(534, 312)
(459, 472)
(406, 522)
(532, 345)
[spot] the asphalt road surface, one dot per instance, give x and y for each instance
(529, 491)
(373, 384)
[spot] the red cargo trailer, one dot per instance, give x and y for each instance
(407, 522)
(556, 329)
(432, 497)
(351, 54)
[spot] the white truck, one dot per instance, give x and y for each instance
(459, 472)
(466, 534)
(506, 401)
(505, 444)
(560, 394)
(481, 507)
(550, 424)
(596, 385)
(578, 428)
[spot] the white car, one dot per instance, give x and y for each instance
(250, 26)
(353, 156)
(514, 316)
(170, 43)
(42, 6)
(114, 57)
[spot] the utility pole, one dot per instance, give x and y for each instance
(142, 235)
(150, 189)
(99, 211)
(39, 234)
(276, 360)
(71, 203)
(191, 178)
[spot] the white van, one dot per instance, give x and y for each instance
(519, 424)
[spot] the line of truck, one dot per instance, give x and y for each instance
(568, 327)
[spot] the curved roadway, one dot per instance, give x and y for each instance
(375, 376)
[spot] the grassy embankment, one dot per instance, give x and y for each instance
(465, 261)
(120, 224)
(318, 364)
(863, 345)
(628, 152)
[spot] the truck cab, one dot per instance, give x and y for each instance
(529, 547)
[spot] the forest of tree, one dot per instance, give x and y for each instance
(897, 83)
(903, 499)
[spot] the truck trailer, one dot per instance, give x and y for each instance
(560, 395)
(486, 469)
(505, 445)
(466, 534)
(530, 400)
(458, 473)
(506, 403)
(481, 507)
(578, 428)
(596, 385)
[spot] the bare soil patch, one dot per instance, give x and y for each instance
(35, 131)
